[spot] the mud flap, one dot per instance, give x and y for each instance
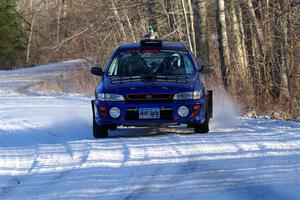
(93, 108)
(210, 103)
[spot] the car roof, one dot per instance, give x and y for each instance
(176, 46)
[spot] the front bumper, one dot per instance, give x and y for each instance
(168, 112)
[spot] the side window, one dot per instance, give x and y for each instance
(113, 69)
(188, 66)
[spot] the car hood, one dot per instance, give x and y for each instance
(139, 87)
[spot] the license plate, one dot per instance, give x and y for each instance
(149, 113)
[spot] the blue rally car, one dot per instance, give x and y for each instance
(151, 83)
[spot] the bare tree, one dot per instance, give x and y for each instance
(187, 25)
(223, 42)
(192, 27)
(119, 23)
(201, 33)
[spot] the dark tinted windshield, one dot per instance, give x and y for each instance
(151, 62)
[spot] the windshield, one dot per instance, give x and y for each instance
(151, 62)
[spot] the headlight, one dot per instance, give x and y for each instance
(110, 97)
(188, 95)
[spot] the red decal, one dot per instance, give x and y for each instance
(143, 51)
(150, 51)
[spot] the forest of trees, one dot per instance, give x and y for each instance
(253, 44)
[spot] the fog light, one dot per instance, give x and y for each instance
(183, 111)
(114, 112)
(102, 108)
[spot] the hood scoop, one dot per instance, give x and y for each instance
(124, 79)
(133, 88)
(149, 78)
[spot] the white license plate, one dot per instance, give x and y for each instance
(149, 113)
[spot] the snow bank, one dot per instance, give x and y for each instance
(51, 67)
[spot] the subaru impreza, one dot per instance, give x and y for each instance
(151, 83)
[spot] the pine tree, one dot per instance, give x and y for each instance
(11, 38)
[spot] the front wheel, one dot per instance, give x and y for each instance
(204, 127)
(99, 131)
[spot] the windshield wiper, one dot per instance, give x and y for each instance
(149, 78)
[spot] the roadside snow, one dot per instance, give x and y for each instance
(47, 152)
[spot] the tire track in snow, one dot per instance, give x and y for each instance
(39, 163)
(35, 161)
(74, 165)
(55, 179)
(13, 183)
(146, 185)
(18, 180)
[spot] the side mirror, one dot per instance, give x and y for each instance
(206, 69)
(97, 71)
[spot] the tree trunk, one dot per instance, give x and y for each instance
(293, 49)
(30, 38)
(201, 38)
(223, 43)
(257, 25)
(151, 14)
(177, 19)
(192, 26)
(130, 27)
(119, 23)
(260, 45)
(237, 36)
(263, 58)
(284, 65)
(59, 2)
(242, 37)
(187, 26)
(170, 17)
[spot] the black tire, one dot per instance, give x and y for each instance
(210, 104)
(204, 127)
(100, 131)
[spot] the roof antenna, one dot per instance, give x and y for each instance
(151, 34)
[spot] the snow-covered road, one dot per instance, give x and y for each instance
(47, 152)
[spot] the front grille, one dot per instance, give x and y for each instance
(149, 97)
(132, 113)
